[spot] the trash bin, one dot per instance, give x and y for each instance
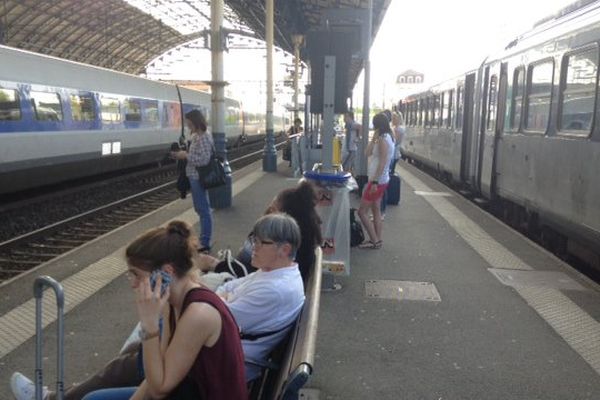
(333, 208)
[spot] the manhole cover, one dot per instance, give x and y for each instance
(401, 290)
(549, 279)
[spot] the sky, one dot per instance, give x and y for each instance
(439, 38)
(444, 38)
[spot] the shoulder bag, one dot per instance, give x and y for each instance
(212, 174)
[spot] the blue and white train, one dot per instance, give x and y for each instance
(523, 130)
(61, 120)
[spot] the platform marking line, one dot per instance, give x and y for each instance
(492, 252)
(21, 319)
(18, 325)
(575, 326)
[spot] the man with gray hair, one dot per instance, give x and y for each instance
(266, 303)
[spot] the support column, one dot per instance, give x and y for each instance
(366, 39)
(269, 153)
(297, 40)
(220, 197)
(328, 110)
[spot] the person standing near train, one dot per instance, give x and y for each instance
(198, 155)
(379, 153)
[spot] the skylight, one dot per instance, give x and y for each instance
(186, 16)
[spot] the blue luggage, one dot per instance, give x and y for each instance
(393, 190)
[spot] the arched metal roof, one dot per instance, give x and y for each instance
(126, 35)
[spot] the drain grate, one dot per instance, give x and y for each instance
(401, 290)
(548, 279)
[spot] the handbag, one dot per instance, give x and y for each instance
(212, 174)
(357, 235)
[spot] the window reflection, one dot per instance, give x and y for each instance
(10, 110)
(579, 92)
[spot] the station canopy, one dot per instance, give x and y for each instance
(126, 35)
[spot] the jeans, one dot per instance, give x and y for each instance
(124, 393)
(202, 207)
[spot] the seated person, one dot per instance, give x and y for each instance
(298, 202)
(265, 303)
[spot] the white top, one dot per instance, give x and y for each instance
(384, 178)
(351, 140)
(264, 302)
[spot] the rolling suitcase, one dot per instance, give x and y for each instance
(39, 285)
(393, 190)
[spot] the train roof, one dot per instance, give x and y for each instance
(25, 66)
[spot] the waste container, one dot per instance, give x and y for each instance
(333, 208)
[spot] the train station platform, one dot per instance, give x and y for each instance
(454, 306)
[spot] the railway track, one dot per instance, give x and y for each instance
(28, 250)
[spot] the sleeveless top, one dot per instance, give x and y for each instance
(374, 161)
(218, 371)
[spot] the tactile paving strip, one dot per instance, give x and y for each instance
(401, 290)
(574, 325)
(547, 279)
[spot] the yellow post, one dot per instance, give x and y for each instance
(336, 160)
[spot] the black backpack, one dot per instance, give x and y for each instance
(356, 231)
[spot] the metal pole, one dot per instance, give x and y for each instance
(297, 40)
(220, 197)
(362, 159)
(270, 153)
(328, 110)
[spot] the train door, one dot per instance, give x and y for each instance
(495, 126)
(467, 131)
(481, 114)
(489, 126)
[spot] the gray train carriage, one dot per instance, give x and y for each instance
(530, 134)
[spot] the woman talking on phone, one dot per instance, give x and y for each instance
(198, 350)
(379, 152)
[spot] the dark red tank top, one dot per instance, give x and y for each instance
(218, 370)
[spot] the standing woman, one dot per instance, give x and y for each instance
(398, 129)
(379, 152)
(198, 155)
(197, 353)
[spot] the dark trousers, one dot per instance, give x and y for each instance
(121, 371)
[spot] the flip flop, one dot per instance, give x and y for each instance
(370, 245)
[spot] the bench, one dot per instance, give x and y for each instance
(295, 355)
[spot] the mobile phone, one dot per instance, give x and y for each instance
(166, 280)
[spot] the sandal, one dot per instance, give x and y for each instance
(370, 245)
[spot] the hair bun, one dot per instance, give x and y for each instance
(179, 228)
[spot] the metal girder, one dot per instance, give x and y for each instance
(114, 34)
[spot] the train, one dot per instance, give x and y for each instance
(522, 131)
(61, 120)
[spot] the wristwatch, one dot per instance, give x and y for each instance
(375, 182)
(145, 335)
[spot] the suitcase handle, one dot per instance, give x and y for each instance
(40, 284)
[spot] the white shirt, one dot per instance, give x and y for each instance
(374, 160)
(264, 302)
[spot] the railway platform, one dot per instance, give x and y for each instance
(454, 306)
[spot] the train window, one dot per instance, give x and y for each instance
(133, 110)
(459, 107)
(449, 108)
(578, 91)
(539, 96)
(110, 109)
(492, 100)
(422, 112)
(150, 111)
(437, 110)
(46, 106)
(82, 107)
(445, 105)
(516, 99)
(10, 109)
